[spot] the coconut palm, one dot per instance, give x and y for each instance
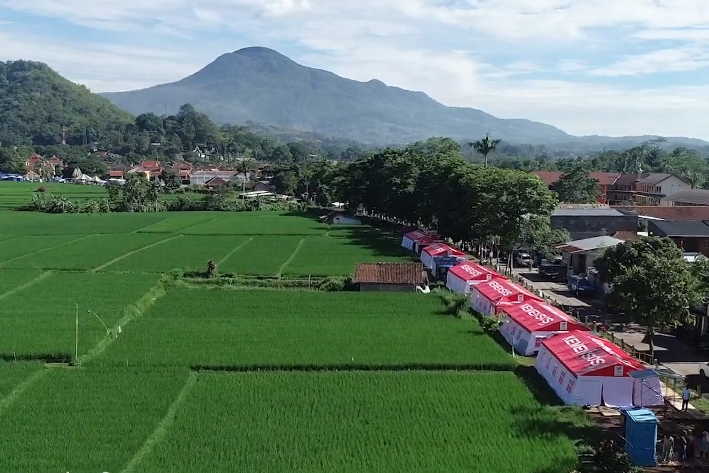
(485, 146)
(244, 166)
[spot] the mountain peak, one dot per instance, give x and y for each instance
(261, 51)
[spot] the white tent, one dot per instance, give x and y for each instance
(469, 273)
(584, 369)
(526, 325)
(409, 240)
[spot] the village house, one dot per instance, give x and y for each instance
(589, 220)
(692, 236)
(644, 189)
(687, 198)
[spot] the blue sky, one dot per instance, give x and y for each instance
(629, 67)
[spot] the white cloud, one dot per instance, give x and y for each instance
(565, 62)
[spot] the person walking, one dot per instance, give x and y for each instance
(667, 446)
(704, 445)
(686, 396)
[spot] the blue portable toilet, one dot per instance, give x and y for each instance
(640, 433)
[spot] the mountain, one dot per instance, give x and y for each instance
(37, 106)
(263, 86)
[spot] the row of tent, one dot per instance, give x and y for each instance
(581, 367)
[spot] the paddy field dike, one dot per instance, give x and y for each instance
(250, 375)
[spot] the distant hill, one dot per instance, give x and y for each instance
(263, 86)
(37, 105)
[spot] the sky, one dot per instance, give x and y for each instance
(589, 67)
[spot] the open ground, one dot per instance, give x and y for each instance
(182, 378)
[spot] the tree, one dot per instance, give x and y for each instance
(577, 187)
(171, 179)
(687, 165)
(245, 166)
(651, 282)
(537, 235)
(485, 146)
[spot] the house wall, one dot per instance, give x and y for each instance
(699, 245)
(367, 287)
(672, 185)
(581, 227)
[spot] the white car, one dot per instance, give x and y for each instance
(704, 369)
(524, 259)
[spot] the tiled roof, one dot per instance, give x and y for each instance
(690, 196)
(686, 228)
(676, 213)
(625, 235)
(389, 273)
(115, 173)
(217, 181)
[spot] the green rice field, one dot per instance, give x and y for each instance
(179, 376)
(280, 328)
(353, 422)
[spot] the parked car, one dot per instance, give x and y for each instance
(525, 259)
(550, 271)
(579, 284)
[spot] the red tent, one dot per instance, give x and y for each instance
(409, 240)
(530, 322)
(489, 297)
(462, 276)
(585, 369)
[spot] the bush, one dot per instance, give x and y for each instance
(611, 457)
(332, 284)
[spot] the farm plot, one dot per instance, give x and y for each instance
(12, 374)
(175, 222)
(259, 223)
(242, 328)
(263, 255)
(88, 253)
(11, 279)
(15, 194)
(40, 320)
(35, 223)
(184, 252)
(327, 256)
(26, 245)
(355, 422)
(85, 420)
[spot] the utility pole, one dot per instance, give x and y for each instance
(76, 337)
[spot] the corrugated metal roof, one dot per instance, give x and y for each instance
(597, 212)
(684, 228)
(589, 244)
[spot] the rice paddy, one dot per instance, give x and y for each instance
(180, 378)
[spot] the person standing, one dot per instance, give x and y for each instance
(704, 445)
(686, 396)
(681, 447)
(667, 446)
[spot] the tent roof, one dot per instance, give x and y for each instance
(535, 316)
(503, 290)
(415, 235)
(440, 249)
(583, 353)
(471, 271)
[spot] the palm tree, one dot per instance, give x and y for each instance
(485, 146)
(244, 166)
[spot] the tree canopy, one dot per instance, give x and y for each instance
(577, 187)
(651, 282)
